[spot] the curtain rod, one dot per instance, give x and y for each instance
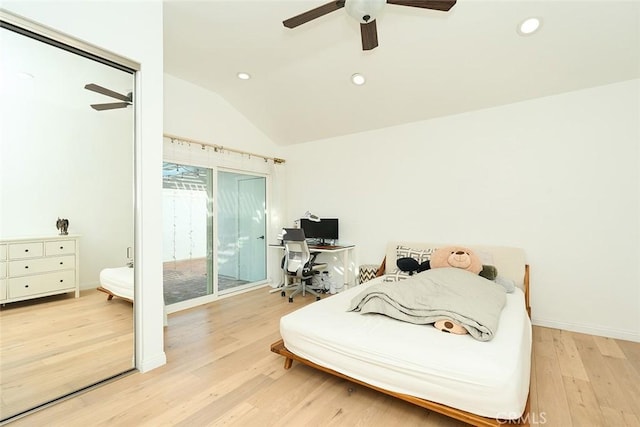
(217, 147)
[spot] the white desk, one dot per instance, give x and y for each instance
(345, 250)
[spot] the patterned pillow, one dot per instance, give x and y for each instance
(420, 255)
(395, 275)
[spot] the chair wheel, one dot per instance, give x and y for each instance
(283, 294)
(290, 299)
(318, 298)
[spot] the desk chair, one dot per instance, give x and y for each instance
(299, 263)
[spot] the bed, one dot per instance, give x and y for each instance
(117, 282)
(480, 383)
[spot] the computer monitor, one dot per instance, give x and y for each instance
(326, 229)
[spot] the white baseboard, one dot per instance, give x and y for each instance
(152, 362)
(586, 329)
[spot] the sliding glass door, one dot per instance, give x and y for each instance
(241, 230)
(235, 236)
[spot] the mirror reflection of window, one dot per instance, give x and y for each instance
(61, 159)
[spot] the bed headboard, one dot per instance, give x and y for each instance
(510, 262)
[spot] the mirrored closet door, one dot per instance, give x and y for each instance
(66, 217)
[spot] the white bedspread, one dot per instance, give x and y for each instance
(490, 379)
(118, 281)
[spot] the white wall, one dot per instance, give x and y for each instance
(557, 176)
(132, 29)
(193, 112)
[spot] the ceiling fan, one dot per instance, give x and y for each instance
(365, 12)
(127, 99)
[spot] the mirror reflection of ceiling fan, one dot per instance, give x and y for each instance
(365, 12)
(126, 99)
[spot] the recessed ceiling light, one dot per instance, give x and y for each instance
(529, 26)
(244, 76)
(358, 79)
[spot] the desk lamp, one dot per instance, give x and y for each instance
(311, 217)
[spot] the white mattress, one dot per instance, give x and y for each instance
(118, 281)
(490, 379)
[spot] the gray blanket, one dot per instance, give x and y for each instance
(438, 294)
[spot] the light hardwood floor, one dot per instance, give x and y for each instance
(220, 372)
(55, 345)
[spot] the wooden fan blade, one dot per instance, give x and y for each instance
(313, 14)
(369, 33)
(426, 4)
(104, 91)
(110, 106)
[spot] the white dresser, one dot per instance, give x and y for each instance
(35, 267)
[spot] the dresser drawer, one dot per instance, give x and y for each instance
(27, 267)
(40, 284)
(25, 250)
(60, 247)
(3, 252)
(3, 289)
(3, 270)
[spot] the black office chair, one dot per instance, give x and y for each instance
(299, 263)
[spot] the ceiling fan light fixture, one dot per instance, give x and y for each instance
(358, 79)
(364, 11)
(529, 26)
(244, 76)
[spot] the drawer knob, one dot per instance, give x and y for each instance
(26, 266)
(26, 286)
(61, 247)
(61, 262)
(61, 280)
(26, 250)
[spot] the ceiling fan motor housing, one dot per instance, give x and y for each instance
(364, 11)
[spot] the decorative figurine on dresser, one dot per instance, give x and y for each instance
(62, 225)
(34, 267)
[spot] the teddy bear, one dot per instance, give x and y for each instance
(456, 256)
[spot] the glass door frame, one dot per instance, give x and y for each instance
(213, 204)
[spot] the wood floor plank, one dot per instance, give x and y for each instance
(628, 380)
(609, 347)
(609, 389)
(631, 352)
(569, 357)
(583, 404)
(551, 394)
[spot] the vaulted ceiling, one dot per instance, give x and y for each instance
(428, 63)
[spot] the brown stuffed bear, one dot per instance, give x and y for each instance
(458, 257)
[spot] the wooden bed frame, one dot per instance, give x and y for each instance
(110, 294)
(458, 414)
